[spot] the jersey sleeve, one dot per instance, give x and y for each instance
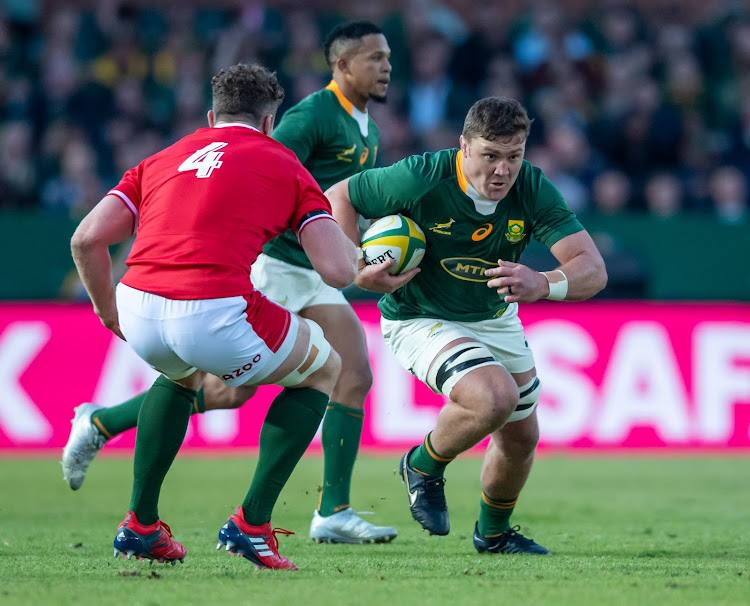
(129, 191)
(299, 130)
(311, 202)
(391, 190)
(553, 220)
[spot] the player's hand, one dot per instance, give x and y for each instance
(111, 321)
(376, 278)
(517, 283)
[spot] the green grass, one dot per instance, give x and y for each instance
(623, 531)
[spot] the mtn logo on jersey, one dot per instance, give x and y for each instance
(347, 154)
(467, 268)
(515, 232)
(442, 228)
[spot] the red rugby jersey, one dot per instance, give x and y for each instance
(204, 207)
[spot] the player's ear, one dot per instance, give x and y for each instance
(342, 65)
(266, 125)
(463, 144)
(210, 117)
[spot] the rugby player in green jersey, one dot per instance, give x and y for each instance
(455, 325)
(334, 137)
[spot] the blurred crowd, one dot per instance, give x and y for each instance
(637, 107)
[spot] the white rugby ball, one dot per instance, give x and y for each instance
(394, 237)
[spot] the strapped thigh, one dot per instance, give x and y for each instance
(527, 401)
(454, 363)
(318, 350)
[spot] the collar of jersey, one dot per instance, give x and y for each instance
(228, 124)
(467, 188)
(345, 103)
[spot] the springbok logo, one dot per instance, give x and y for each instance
(438, 325)
(515, 232)
(442, 228)
(347, 154)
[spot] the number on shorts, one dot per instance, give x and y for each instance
(204, 160)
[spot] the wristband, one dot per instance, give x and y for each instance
(558, 284)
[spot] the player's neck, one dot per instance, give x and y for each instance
(352, 96)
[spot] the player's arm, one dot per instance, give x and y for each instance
(330, 251)
(109, 222)
(374, 278)
(580, 276)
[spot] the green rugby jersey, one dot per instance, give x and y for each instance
(461, 242)
(323, 133)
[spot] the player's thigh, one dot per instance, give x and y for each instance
(235, 338)
(441, 353)
(311, 361)
(505, 338)
(141, 317)
(344, 332)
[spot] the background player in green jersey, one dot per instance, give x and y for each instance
(455, 325)
(334, 137)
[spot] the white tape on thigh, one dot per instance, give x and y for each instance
(455, 363)
(529, 396)
(318, 350)
(180, 375)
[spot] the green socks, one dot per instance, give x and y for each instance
(162, 423)
(342, 429)
(115, 420)
(425, 460)
(289, 427)
(494, 516)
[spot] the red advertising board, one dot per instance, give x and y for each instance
(624, 375)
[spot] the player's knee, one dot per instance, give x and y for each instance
(320, 367)
(495, 408)
(354, 383)
(326, 376)
(237, 396)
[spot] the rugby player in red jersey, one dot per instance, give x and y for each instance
(187, 305)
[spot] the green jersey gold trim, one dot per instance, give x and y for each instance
(324, 133)
(462, 244)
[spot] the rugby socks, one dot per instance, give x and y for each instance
(425, 460)
(494, 516)
(115, 420)
(289, 427)
(342, 429)
(162, 423)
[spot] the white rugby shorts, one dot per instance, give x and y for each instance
(215, 335)
(417, 342)
(291, 286)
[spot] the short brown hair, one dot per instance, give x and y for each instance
(496, 118)
(245, 92)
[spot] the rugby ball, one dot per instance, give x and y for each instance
(394, 237)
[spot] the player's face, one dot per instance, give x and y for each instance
(492, 167)
(370, 68)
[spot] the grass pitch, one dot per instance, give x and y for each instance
(622, 531)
